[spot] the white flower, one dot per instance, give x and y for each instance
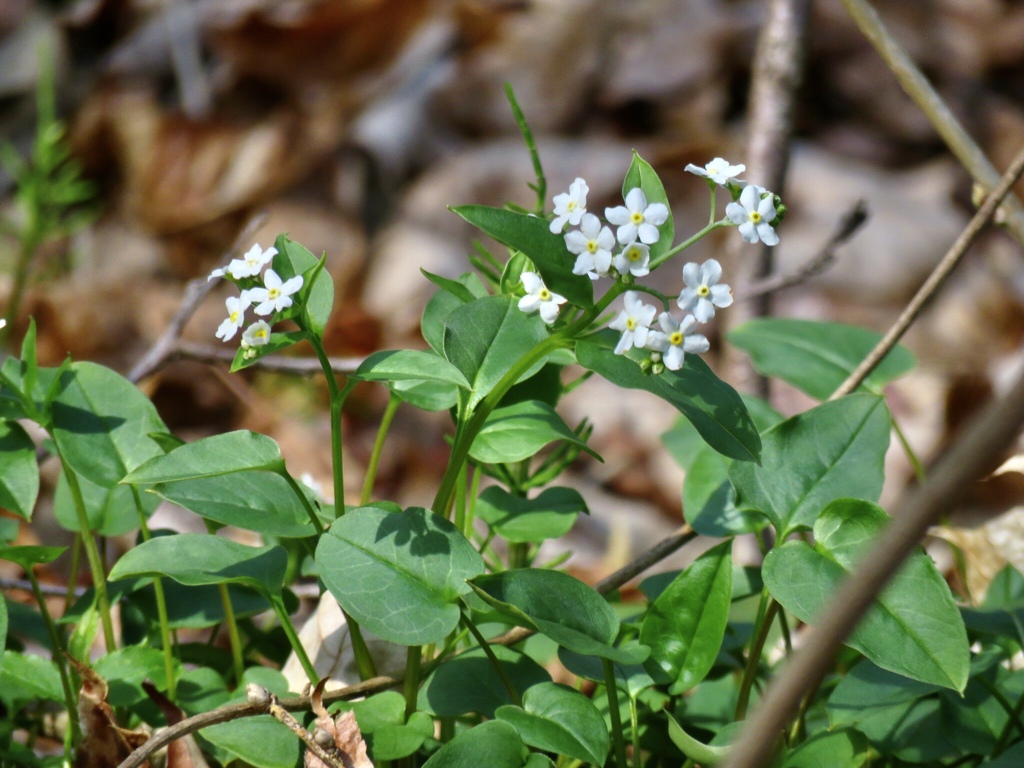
(634, 259)
(538, 297)
(676, 340)
(570, 206)
(236, 306)
(594, 245)
(636, 217)
(256, 335)
(3, 323)
(248, 266)
(753, 215)
(702, 294)
(275, 296)
(634, 322)
(718, 170)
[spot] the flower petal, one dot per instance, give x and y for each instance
(704, 310)
(721, 295)
(636, 200)
(767, 234)
(656, 213)
(734, 212)
(710, 272)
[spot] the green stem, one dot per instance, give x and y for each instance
(688, 242)
(411, 686)
(765, 615)
(912, 457)
(378, 448)
(29, 244)
(513, 694)
(314, 518)
(711, 218)
(613, 711)
(99, 579)
(364, 661)
(234, 637)
(461, 501)
(58, 657)
(293, 639)
(161, 606)
(1012, 712)
(634, 724)
(76, 561)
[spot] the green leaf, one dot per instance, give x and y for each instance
(816, 357)
(547, 251)
(549, 516)
(278, 341)
(19, 473)
(214, 456)
(844, 748)
(426, 395)
(697, 751)
(317, 292)
(469, 682)
(260, 741)
(446, 301)
(519, 431)
(555, 718)
(486, 337)
(712, 406)
(3, 629)
(256, 501)
(28, 556)
(685, 626)
(25, 678)
(398, 574)
(913, 628)
(382, 722)
(641, 174)
(495, 739)
(559, 606)
(110, 511)
(127, 668)
(197, 558)
(198, 607)
(409, 364)
(631, 678)
(829, 452)
(101, 424)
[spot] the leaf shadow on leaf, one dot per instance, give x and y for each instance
(82, 422)
(414, 531)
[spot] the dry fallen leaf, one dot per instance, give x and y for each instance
(183, 752)
(341, 735)
(104, 742)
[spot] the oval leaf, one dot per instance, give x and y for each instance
(519, 431)
(398, 574)
(317, 297)
(829, 452)
(816, 357)
(712, 406)
(642, 175)
(555, 718)
(409, 365)
(519, 520)
(530, 234)
(495, 739)
(470, 683)
(101, 424)
(685, 626)
(211, 457)
(198, 558)
(914, 628)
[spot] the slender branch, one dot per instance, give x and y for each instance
(651, 557)
(923, 94)
(260, 695)
(49, 590)
(851, 222)
(974, 454)
(935, 280)
(204, 353)
(197, 290)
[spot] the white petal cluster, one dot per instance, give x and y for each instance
(270, 294)
(637, 219)
(702, 292)
(719, 171)
(538, 298)
(593, 245)
(570, 206)
(754, 213)
(669, 345)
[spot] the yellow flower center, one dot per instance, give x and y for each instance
(675, 339)
(571, 205)
(634, 254)
(260, 334)
(755, 217)
(592, 246)
(630, 323)
(703, 291)
(544, 294)
(637, 218)
(273, 293)
(233, 317)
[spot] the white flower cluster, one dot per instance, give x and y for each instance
(625, 255)
(270, 295)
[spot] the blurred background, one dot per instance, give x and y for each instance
(353, 124)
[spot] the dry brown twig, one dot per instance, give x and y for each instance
(651, 557)
(970, 458)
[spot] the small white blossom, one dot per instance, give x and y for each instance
(3, 323)
(634, 259)
(718, 170)
(256, 335)
(634, 322)
(275, 296)
(570, 206)
(702, 292)
(248, 266)
(594, 245)
(637, 219)
(753, 215)
(676, 339)
(236, 306)
(538, 297)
